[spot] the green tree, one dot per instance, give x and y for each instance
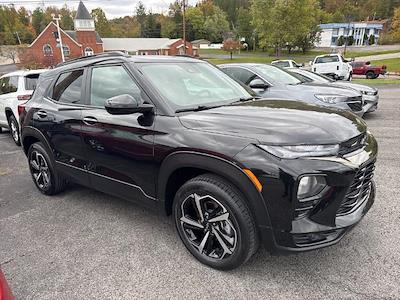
(216, 25)
(67, 22)
(195, 17)
(340, 41)
(38, 21)
(141, 18)
(244, 27)
(371, 39)
(103, 27)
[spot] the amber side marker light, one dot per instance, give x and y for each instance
(254, 179)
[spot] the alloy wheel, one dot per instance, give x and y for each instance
(208, 226)
(14, 131)
(40, 170)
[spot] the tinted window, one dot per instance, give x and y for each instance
(281, 64)
(68, 87)
(327, 59)
(240, 74)
(9, 85)
(276, 75)
(31, 82)
(109, 82)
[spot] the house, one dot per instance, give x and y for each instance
(149, 46)
(201, 43)
(360, 31)
(82, 41)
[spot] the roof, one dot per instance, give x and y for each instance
(62, 31)
(201, 41)
(377, 25)
(25, 72)
(82, 13)
(136, 44)
(72, 34)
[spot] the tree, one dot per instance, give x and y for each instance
(231, 45)
(244, 27)
(340, 41)
(371, 39)
(141, 18)
(216, 25)
(38, 21)
(395, 31)
(100, 20)
(67, 22)
(11, 52)
(195, 17)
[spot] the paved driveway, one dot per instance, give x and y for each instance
(86, 245)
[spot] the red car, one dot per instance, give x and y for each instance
(5, 291)
(365, 68)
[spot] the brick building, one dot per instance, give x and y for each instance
(82, 41)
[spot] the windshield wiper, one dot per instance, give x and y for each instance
(197, 108)
(245, 99)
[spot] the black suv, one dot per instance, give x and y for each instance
(178, 135)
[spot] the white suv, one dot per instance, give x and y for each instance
(15, 88)
(333, 65)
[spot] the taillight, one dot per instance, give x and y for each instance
(24, 97)
(21, 109)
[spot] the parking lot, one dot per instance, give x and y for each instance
(83, 244)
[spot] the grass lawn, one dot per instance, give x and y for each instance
(350, 54)
(377, 81)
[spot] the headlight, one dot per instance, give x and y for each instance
(291, 152)
(331, 98)
(369, 93)
(310, 186)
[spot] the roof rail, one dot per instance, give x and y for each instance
(99, 55)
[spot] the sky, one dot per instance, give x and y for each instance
(112, 8)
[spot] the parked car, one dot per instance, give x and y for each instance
(332, 65)
(273, 82)
(5, 291)
(369, 94)
(178, 135)
(286, 63)
(365, 68)
(15, 88)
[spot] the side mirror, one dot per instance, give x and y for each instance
(258, 84)
(368, 63)
(126, 104)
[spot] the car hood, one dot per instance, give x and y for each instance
(323, 88)
(356, 86)
(276, 122)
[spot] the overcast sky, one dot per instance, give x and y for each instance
(112, 8)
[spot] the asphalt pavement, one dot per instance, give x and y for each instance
(83, 244)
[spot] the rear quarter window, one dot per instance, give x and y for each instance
(8, 85)
(31, 82)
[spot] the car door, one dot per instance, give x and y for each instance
(119, 148)
(59, 119)
(8, 91)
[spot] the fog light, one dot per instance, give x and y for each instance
(310, 186)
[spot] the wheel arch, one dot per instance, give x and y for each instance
(179, 167)
(9, 113)
(31, 135)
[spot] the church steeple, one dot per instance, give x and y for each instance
(83, 21)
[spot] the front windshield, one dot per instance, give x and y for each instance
(193, 84)
(276, 75)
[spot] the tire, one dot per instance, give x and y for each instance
(43, 172)
(370, 75)
(350, 77)
(1, 130)
(14, 130)
(227, 236)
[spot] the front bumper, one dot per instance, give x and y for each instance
(330, 217)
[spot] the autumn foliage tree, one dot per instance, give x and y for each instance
(231, 45)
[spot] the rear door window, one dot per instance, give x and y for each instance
(68, 88)
(8, 85)
(31, 82)
(240, 74)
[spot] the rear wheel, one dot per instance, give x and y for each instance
(43, 172)
(370, 75)
(214, 222)
(14, 130)
(350, 78)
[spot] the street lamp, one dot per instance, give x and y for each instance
(57, 19)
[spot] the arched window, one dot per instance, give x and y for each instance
(66, 51)
(47, 50)
(88, 51)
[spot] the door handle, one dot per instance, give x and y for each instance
(42, 114)
(89, 120)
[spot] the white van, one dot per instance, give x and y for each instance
(333, 65)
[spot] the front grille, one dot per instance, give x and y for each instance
(359, 190)
(352, 144)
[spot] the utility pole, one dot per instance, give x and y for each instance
(57, 19)
(184, 24)
(19, 40)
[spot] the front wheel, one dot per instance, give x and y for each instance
(350, 78)
(14, 129)
(214, 222)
